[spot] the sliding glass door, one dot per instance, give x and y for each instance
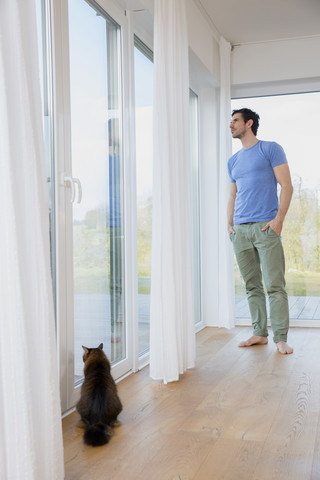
(96, 185)
(143, 62)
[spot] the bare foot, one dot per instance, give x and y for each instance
(254, 340)
(284, 348)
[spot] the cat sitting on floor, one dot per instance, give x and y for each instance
(99, 404)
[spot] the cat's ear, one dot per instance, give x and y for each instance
(101, 346)
(85, 349)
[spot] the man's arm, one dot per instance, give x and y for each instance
(282, 174)
(232, 199)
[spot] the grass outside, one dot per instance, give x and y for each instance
(299, 284)
(92, 280)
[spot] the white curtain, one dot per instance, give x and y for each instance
(172, 338)
(30, 417)
(226, 262)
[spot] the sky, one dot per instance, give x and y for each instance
(143, 123)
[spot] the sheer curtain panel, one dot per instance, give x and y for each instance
(172, 338)
(30, 418)
(226, 262)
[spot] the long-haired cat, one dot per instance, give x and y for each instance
(99, 405)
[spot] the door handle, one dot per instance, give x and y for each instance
(69, 181)
(77, 181)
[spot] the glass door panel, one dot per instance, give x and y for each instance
(97, 161)
(281, 117)
(144, 158)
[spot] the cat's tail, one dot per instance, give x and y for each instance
(96, 435)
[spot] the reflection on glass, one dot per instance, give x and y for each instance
(144, 158)
(115, 229)
(95, 80)
(195, 205)
(301, 231)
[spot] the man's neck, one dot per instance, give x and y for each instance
(248, 141)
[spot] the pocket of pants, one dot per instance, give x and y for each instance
(232, 237)
(272, 232)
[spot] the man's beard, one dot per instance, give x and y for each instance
(238, 135)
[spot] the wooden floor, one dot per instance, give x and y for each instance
(300, 308)
(240, 414)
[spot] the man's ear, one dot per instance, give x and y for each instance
(249, 123)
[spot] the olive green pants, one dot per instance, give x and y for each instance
(256, 250)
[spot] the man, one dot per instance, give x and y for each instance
(255, 220)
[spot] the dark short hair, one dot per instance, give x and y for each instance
(247, 115)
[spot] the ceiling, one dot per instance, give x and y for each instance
(252, 21)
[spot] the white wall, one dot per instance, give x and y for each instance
(202, 41)
(286, 66)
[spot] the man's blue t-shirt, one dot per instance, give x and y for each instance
(252, 170)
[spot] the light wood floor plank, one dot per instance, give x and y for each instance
(230, 460)
(289, 449)
(241, 413)
(315, 473)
